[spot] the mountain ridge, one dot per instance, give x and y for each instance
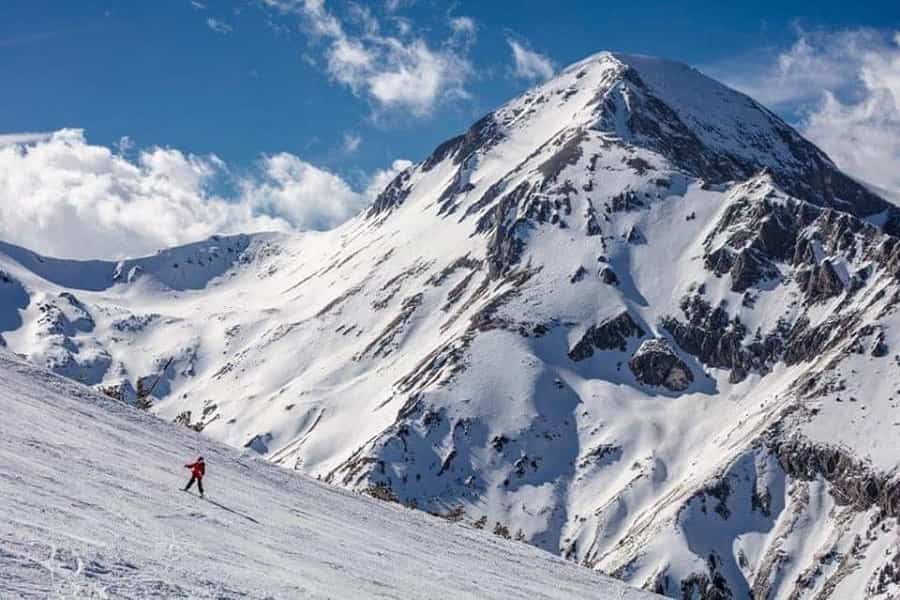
(623, 331)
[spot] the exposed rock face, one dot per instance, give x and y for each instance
(879, 347)
(608, 276)
(747, 267)
(821, 282)
(393, 195)
(591, 221)
(483, 134)
(636, 236)
(854, 483)
(718, 340)
(757, 230)
(608, 335)
(655, 363)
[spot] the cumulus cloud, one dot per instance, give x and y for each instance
(63, 196)
(7, 139)
(528, 64)
(862, 134)
(844, 87)
(401, 72)
(125, 144)
(302, 194)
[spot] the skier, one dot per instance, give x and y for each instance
(198, 470)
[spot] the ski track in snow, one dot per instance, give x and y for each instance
(92, 508)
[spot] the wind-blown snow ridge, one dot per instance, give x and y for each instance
(630, 317)
(92, 508)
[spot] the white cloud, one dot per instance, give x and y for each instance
(463, 25)
(404, 26)
(219, 26)
(352, 142)
(7, 139)
(362, 16)
(63, 196)
(394, 72)
(845, 87)
(418, 78)
(125, 144)
(394, 5)
(529, 64)
(302, 194)
(817, 61)
(464, 32)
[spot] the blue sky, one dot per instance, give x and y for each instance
(156, 72)
(248, 79)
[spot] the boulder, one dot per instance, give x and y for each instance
(608, 276)
(655, 363)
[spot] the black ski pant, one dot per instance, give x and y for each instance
(191, 482)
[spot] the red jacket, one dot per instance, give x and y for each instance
(198, 469)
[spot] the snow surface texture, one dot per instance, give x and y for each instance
(92, 509)
(469, 344)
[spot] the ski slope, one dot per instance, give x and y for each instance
(92, 509)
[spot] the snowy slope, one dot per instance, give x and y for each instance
(630, 317)
(91, 508)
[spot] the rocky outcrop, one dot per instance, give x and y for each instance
(480, 136)
(753, 234)
(635, 236)
(611, 334)
(655, 363)
(821, 282)
(853, 482)
(627, 201)
(393, 195)
(806, 342)
(569, 153)
(578, 274)
(384, 343)
(747, 267)
(608, 276)
(717, 340)
(591, 223)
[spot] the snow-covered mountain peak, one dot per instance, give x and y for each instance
(629, 308)
(673, 95)
(649, 113)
